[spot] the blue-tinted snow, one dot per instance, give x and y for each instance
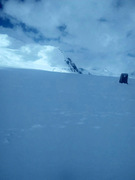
(56, 126)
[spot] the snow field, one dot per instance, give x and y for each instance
(58, 126)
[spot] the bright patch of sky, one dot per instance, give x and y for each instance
(30, 56)
(94, 34)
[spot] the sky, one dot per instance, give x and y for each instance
(94, 34)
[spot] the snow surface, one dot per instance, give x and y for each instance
(58, 126)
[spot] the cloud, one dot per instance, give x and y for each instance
(32, 56)
(93, 33)
(4, 42)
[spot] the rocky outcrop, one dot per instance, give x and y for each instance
(73, 68)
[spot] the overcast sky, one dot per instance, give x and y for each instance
(94, 33)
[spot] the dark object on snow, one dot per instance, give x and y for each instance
(123, 78)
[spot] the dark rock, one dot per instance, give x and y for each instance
(72, 66)
(123, 78)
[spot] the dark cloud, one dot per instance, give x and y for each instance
(129, 34)
(131, 55)
(102, 20)
(5, 22)
(118, 3)
(1, 6)
(62, 28)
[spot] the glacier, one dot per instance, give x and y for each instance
(62, 126)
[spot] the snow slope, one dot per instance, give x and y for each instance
(56, 126)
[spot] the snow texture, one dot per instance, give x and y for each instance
(56, 126)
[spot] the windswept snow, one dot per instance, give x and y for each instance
(56, 126)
